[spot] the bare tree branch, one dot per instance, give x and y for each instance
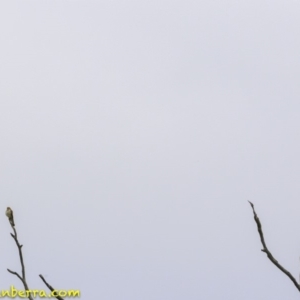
(269, 254)
(50, 287)
(23, 277)
(15, 273)
(9, 214)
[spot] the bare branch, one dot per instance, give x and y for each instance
(269, 254)
(14, 236)
(50, 287)
(9, 214)
(15, 273)
(23, 277)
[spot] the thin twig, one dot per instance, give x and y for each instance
(23, 277)
(15, 273)
(269, 254)
(50, 287)
(14, 236)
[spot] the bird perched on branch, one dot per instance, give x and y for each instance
(10, 215)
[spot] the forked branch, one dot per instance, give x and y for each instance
(9, 214)
(23, 277)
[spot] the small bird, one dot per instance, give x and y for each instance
(10, 215)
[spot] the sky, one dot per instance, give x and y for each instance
(133, 133)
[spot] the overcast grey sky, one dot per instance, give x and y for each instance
(132, 135)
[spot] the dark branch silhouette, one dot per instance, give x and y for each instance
(23, 277)
(267, 251)
(50, 287)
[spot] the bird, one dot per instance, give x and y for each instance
(10, 215)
